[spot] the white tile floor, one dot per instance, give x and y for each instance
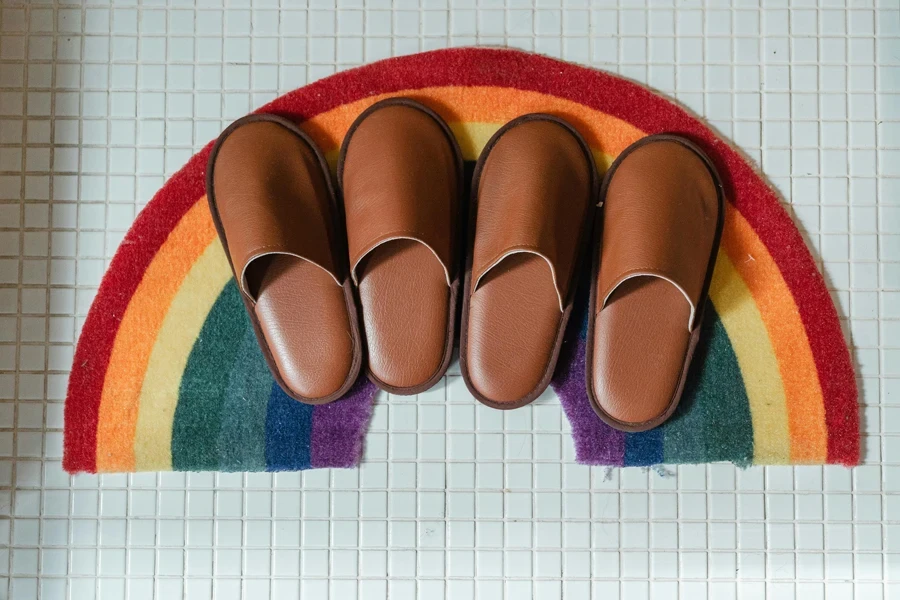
(99, 103)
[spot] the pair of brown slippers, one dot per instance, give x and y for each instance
(376, 270)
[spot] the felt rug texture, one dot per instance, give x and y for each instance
(167, 374)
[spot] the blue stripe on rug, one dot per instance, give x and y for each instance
(644, 448)
(288, 432)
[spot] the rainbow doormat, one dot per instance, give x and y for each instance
(167, 374)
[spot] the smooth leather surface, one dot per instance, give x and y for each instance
(513, 320)
(399, 182)
(659, 226)
(274, 206)
(404, 304)
(304, 318)
(272, 198)
(640, 343)
(533, 196)
(660, 219)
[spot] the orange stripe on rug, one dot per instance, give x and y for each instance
(484, 104)
(805, 402)
(137, 334)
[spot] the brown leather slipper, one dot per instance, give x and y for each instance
(654, 254)
(400, 176)
(533, 193)
(271, 200)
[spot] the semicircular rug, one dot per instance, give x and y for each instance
(167, 374)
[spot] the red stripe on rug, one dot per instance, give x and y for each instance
(652, 114)
(147, 234)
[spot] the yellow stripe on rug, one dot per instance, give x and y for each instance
(179, 331)
(759, 367)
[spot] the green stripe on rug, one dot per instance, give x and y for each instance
(713, 421)
(242, 438)
(195, 430)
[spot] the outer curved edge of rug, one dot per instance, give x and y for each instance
(166, 342)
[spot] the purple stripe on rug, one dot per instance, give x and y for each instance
(596, 443)
(338, 428)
